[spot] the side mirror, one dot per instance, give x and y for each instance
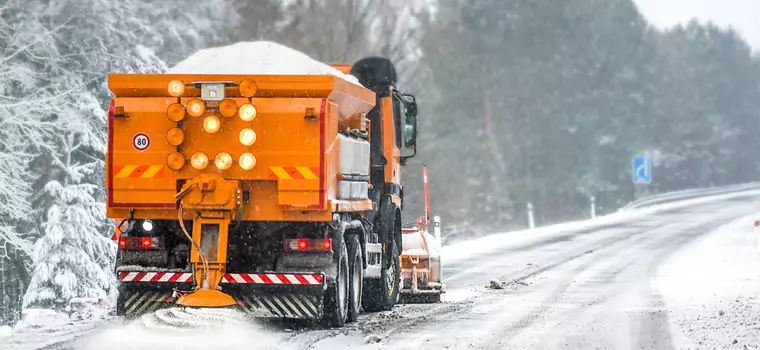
(411, 108)
(410, 105)
(410, 131)
(410, 128)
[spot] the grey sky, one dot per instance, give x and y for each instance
(743, 15)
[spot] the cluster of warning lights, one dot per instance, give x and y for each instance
(211, 124)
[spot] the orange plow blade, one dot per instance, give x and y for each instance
(420, 267)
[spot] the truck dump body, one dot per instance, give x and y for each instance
(296, 126)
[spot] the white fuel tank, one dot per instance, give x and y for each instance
(353, 162)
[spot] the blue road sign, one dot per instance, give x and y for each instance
(642, 170)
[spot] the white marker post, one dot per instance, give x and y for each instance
(437, 227)
(593, 207)
(531, 222)
(437, 234)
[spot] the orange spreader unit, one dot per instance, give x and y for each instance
(217, 148)
(293, 153)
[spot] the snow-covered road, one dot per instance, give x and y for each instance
(680, 279)
(683, 278)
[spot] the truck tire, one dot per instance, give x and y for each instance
(356, 270)
(336, 297)
(381, 294)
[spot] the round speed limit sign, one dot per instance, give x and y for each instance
(141, 142)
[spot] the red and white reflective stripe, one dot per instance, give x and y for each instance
(176, 277)
(272, 278)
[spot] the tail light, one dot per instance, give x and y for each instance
(141, 243)
(327, 245)
(308, 245)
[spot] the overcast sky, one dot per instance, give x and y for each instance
(743, 15)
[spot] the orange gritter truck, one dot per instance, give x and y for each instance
(277, 194)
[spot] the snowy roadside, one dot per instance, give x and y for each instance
(466, 249)
(712, 289)
(41, 328)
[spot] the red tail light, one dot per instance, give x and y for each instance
(308, 245)
(327, 245)
(303, 245)
(141, 243)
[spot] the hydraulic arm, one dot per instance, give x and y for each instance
(212, 201)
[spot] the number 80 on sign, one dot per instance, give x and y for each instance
(141, 142)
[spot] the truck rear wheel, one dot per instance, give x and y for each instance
(356, 270)
(336, 298)
(381, 294)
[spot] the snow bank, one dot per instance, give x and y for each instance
(45, 328)
(5, 331)
(40, 319)
(39, 328)
(463, 250)
(255, 58)
(81, 309)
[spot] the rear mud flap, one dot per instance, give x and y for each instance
(136, 299)
(259, 301)
(281, 301)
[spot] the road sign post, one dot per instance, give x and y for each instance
(642, 170)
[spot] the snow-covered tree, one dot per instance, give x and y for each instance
(74, 257)
(54, 59)
(27, 107)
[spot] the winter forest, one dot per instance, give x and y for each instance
(541, 102)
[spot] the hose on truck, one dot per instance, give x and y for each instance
(179, 197)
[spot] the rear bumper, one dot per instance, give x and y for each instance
(261, 295)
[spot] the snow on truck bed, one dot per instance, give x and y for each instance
(255, 58)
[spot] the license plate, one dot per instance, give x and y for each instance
(212, 92)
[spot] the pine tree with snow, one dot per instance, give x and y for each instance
(73, 258)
